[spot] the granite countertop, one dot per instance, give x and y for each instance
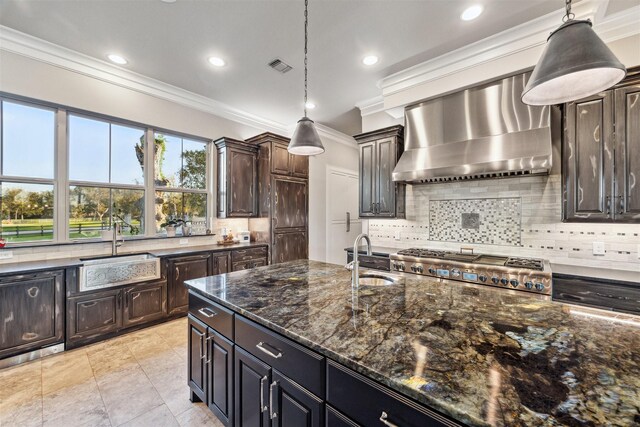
(32, 266)
(481, 355)
(375, 250)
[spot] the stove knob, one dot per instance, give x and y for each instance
(432, 270)
(419, 269)
(529, 285)
(482, 278)
(455, 272)
(495, 280)
(401, 268)
(514, 283)
(504, 281)
(539, 286)
(413, 268)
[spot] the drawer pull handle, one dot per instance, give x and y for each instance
(210, 313)
(383, 419)
(263, 407)
(260, 347)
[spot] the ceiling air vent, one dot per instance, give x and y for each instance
(280, 66)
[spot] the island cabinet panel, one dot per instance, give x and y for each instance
(144, 303)
(293, 405)
(94, 314)
(296, 362)
(32, 307)
(212, 314)
(179, 270)
(369, 403)
(336, 419)
(251, 394)
(197, 370)
(220, 376)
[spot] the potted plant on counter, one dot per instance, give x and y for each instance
(171, 225)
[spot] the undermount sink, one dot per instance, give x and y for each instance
(106, 272)
(370, 278)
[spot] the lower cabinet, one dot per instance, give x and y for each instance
(252, 382)
(144, 303)
(293, 405)
(197, 371)
(289, 246)
(32, 307)
(180, 269)
(221, 263)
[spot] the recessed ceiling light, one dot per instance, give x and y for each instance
(117, 59)
(472, 12)
(370, 60)
(310, 105)
(218, 62)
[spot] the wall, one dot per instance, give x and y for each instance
(531, 228)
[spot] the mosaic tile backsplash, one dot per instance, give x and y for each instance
(485, 221)
(448, 215)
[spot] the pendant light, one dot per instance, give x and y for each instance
(305, 140)
(575, 64)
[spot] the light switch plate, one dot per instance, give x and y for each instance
(6, 254)
(598, 248)
(184, 241)
(396, 235)
(638, 251)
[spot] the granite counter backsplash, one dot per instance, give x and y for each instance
(480, 355)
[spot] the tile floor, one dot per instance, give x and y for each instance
(137, 379)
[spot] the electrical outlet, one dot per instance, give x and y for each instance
(396, 235)
(184, 241)
(6, 254)
(598, 248)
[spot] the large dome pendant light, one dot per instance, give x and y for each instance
(305, 140)
(575, 64)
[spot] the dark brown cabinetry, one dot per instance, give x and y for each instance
(601, 156)
(144, 303)
(380, 196)
(237, 179)
(94, 314)
(283, 190)
(197, 371)
(32, 311)
(180, 269)
(221, 263)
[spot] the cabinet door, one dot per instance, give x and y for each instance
(197, 369)
(242, 181)
(336, 419)
(367, 179)
(280, 160)
(221, 263)
(289, 246)
(588, 159)
(32, 308)
(300, 166)
(180, 270)
(293, 405)
(251, 390)
(220, 376)
(144, 303)
(94, 314)
(290, 203)
(386, 157)
(627, 116)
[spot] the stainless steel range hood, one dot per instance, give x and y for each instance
(480, 132)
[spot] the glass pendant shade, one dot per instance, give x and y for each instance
(575, 64)
(305, 140)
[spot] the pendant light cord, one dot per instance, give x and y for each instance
(568, 15)
(306, 37)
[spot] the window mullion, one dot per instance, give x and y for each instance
(149, 185)
(61, 181)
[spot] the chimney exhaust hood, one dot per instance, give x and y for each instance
(481, 132)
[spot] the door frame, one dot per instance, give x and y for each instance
(328, 198)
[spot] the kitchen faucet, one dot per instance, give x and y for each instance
(115, 244)
(353, 265)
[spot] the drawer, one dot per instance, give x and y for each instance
(212, 314)
(248, 254)
(597, 293)
(246, 265)
(368, 403)
(296, 362)
(336, 419)
(371, 261)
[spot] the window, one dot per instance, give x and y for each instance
(106, 177)
(180, 179)
(27, 147)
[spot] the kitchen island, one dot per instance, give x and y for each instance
(472, 355)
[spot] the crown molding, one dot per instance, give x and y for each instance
(371, 105)
(41, 50)
(325, 132)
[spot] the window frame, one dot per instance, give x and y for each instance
(62, 184)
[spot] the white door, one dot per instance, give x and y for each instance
(343, 224)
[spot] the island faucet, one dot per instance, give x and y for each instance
(115, 243)
(355, 274)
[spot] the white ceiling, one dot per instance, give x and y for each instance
(171, 43)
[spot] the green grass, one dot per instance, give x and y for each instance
(23, 226)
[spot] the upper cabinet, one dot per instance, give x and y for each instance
(601, 156)
(380, 196)
(282, 162)
(237, 179)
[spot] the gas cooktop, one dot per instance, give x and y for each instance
(516, 273)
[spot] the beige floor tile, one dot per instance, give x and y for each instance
(77, 405)
(109, 359)
(171, 384)
(21, 395)
(127, 394)
(198, 416)
(65, 370)
(160, 416)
